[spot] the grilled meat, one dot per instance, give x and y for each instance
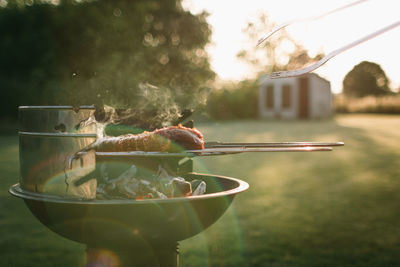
(168, 139)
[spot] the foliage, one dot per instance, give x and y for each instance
(100, 52)
(234, 101)
(389, 104)
(366, 78)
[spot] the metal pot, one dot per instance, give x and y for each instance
(45, 165)
(57, 119)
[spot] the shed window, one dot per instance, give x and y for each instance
(286, 96)
(269, 97)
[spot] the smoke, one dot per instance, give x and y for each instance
(161, 102)
(155, 109)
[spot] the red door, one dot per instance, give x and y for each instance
(303, 111)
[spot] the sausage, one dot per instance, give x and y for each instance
(168, 139)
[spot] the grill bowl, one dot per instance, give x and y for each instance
(126, 223)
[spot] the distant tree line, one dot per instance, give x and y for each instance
(101, 52)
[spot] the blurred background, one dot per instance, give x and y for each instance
(316, 209)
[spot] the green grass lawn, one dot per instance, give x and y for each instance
(339, 208)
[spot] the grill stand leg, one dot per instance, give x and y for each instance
(155, 255)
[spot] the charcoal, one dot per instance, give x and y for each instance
(160, 195)
(181, 187)
(103, 173)
(198, 187)
(131, 187)
(161, 185)
(131, 172)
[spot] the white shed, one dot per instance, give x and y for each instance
(308, 96)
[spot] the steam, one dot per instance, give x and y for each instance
(155, 109)
(161, 101)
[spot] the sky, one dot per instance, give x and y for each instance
(228, 18)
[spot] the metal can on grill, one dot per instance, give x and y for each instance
(49, 136)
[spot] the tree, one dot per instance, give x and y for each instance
(105, 52)
(366, 78)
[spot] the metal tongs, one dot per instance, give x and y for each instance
(232, 147)
(224, 148)
(316, 65)
(217, 144)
